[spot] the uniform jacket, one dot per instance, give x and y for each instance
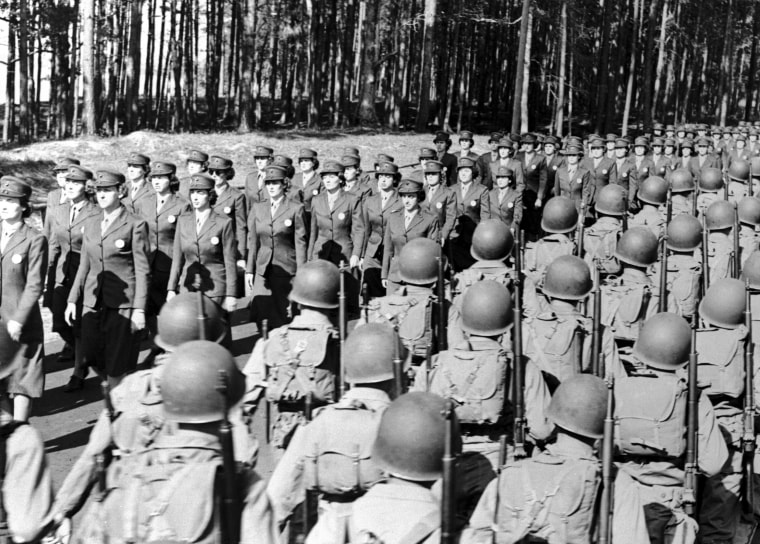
(644, 168)
(443, 204)
(232, 204)
(338, 234)
(710, 161)
(305, 194)
(253, 193)
(579, 187)
(422, 225)
(661, 166)
(602, 174)
(472, 208)
(510, 209)
(375, 220)
(53, 202)
(515, 165)
(22, 280)
(142, 198)
(484, 168)
(277, 244)
(553, 164)
(162, 226)
(625, 175)
(206, 260)
(114, 270)
(450, 162)
(534, 171)
(360, 190)
(66, 241)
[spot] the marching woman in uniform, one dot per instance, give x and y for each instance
(204, 249)
(139, 191)
(112, 283)
(162, 218)
(23, 259)
(66, 234)
(231, 203)
(277, 249)
(377, 209)
(403, 225)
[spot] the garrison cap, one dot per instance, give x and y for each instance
(219, 163)
(138, 159)
(13, 187)
(162, 169)
(63, 164)
(263, 151)
(78, 173)
(427, 153)
(274, 173)
(197, 156)
(107, 178)
(433, 167)
(466, 135)
(201, 182)
(441, 136)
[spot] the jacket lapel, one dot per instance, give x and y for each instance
(120, 220)
(416, 220)
(281, 209)
(207, 225)
(18, 237)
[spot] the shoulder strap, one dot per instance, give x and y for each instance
(422, 529)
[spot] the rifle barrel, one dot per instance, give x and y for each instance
(231, 499)
(448, 498)
(663, 302)
(441, 296)
(748, 431)
(342, 327)
(596, 334)
(605, 506)
(519, 408)
(690, 467)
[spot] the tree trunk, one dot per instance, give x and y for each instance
(524, 123)
(246, 123)
(646, 100)
(366, 113)
(88, 67)
(23, 53)
(519, 70)
(603, 71)
(132, 72)
(725, 66)
(562, 61)
(10, 85)
(660, 59)
(750, 89)
(631, 68)
(423, 110)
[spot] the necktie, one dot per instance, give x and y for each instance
(104, 225)
(73, 215)
(198, 223)
(4, 240)
(431, 193)
(464, 190)
(384, 202)
(261, 180)
(274, 207)
(160, 204)
(407, 220)
(501, 196)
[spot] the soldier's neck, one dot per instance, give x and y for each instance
(563, 307)
(583, 446)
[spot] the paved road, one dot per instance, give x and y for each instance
(65, 419)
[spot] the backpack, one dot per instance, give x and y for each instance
(412, 315)
(548, 498)
(721, 361)
(650, 416)
(540, 254)
(625, 307)
(5, 432)
(338, 457)
(551, 344)
(301, 360)
(684, 278)
(475, 380)
(600, 246)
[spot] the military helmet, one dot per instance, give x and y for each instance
(568, 277)
(723, 304)
(681, 181)
(178, 321)
(191, 382)
(486, 309)
(748, 209)
(720, 215)
(417, 263)
(492, 241)
(684, 233)
(372, 347)
(611, 200)
(411, 438)
(711, 180)
(653, 190)
(664, 341)
(637, 246)
(560, 215)
(751, 269)
(739, 171)
(579, 405)
(317, 284)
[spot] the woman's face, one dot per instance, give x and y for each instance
(350, 173)
(75, 190)
(433, 179)
(306, 165)
(385, 182)
(503, 152)
(331, 181)
(503, 182)
(465, 175)
(194, 167)
(200, 199)
(220, 176)
(261, 162)
(10, 208)
(572, 159)
(275, 189)
(108, 197)
(135, 172)
(411, 201)
(160, 184)
(60, 177)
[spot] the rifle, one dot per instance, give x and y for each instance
(694, 201)
(365, 302)
(231, 506)
(517, 366)
(499, 469)
(448, 491)
(608, 446)
(669, 206)
(442, 313)
(663, 303)
(310, 503)
(580, 230)
(428, 364)
(625, 213)
(748, 434)
(596, 333)
(690, 466)
(342, 327)
(735, 260)
(268, 415)
(102, 460)
(398, 364)
(705, 257)
(201, 317)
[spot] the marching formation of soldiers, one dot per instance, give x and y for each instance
(550, 342)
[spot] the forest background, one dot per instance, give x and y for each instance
(111, 67)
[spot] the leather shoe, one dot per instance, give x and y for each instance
(75, 384)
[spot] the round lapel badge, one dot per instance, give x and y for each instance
(473, 203)
(288, 222)
(315, 192)
(555, 167)
(341, 216)
(119, 243)
(532, 166)
(215, 240)
(439, 205)
(646, 170)
(172, 219)
(227, 210)
(16, 259)
(510, 205)
(604, 171)
(82, 230)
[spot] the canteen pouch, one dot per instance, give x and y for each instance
(413, 317)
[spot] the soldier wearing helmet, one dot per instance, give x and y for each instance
(684, 238)
(651, 425)
(136, 417)
(172, 488)
(599, 239)
(558, 339)
(719, 221)
(738, 180)
(652, 195)
(559, 221)
(409, 448)
(711, 188)
(533, 496)
(628, 299)
(754, 172)
(720, 344)
(682, 187)
(411, 307)
(473, 373)
(748, 214)
(333, 453)
(300, 359)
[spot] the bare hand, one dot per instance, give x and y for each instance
(230, 304)
(138, 320)
(14, 330)
(70, 314)
(385, 283)
(354, 261)
(249, 281)
(170, 295)
(538, 203)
